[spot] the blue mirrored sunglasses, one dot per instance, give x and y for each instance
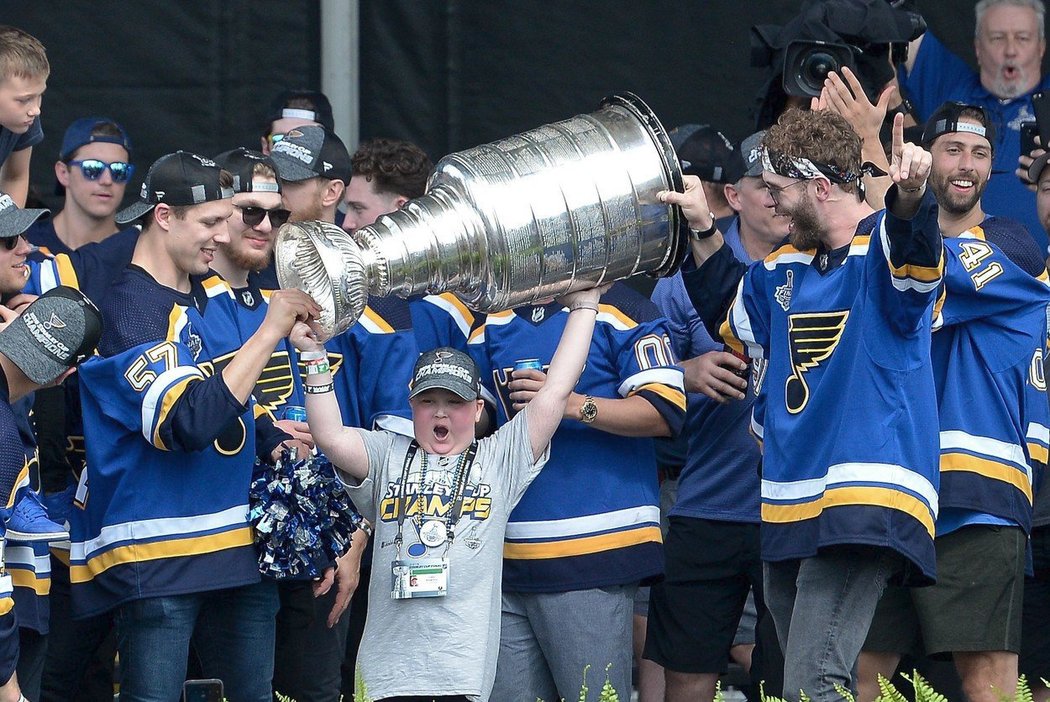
(92, 169)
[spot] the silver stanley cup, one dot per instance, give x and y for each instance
(559, 208)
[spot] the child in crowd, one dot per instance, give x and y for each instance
(440, 505)
(23, 78)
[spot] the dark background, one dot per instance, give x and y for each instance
(447, 75)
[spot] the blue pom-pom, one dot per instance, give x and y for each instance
(302, 516)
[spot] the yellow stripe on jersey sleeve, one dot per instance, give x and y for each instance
(582, 546)
(673, 395)
(850, 496)
(67, 275)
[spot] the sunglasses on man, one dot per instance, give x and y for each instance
(10, 243)
(92, 168)
(252, 216)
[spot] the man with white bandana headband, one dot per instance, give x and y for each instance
(837, 320)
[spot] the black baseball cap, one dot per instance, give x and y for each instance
(321, 113)
(14, 220)
(446, 368)
(56, 331)
(178, 179)
(945, 120)
(241, 162)
(750, 151)
(706, 153)
(311, 152)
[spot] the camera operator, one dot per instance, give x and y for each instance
(867, 37)
(1009, 44)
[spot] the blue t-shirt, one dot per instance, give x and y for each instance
(939, 75)
(720, 478)
(10, 142)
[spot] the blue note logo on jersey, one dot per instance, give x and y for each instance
(812, 338)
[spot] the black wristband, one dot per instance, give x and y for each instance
(700, 235)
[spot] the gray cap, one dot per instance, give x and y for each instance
(311, 151)
(14, 220)
(446, 368)
(751, 155)
(56, 332)
(1036, 169)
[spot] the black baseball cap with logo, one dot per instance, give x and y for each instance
(54, 333)
(311, 152)
(241, 162)
(178, 179)
(446, 368)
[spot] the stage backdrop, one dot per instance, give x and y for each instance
(448, 75)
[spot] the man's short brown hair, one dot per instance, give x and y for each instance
(393, 166)
(21, 55)
(821, 136)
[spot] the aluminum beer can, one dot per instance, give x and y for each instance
(528, 364)
(294, 413)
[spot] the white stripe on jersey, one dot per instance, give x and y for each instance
(579, 526)
(894, 476)
(452, 311)
(993, 448)
(153, 529)
(665, 375)
(157, 389)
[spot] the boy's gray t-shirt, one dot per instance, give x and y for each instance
(442, 645)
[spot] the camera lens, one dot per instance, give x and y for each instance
(814, 70)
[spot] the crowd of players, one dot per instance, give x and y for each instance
(885, 349)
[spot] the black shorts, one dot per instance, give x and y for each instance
(693, 613)
(975, 605)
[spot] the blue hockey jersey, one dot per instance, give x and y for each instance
(442, 320)
(847, 411)
(591, 518)
(988, 348)
(162, 505)
(372, 365)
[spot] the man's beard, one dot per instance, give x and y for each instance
(806, 229)
(311, 213)
(1004, 89)
(248, 260)
(952, 204)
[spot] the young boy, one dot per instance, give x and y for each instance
(440, 505)
(23, 78)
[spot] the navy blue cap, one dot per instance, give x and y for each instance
(79, 134)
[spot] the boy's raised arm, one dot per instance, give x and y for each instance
(545, 410)
(342, 445)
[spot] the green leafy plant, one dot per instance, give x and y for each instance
(924, 692)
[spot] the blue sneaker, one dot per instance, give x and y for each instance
(29, 522)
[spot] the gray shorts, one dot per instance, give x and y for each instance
(975, 605)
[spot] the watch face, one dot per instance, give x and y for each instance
(589, 410)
